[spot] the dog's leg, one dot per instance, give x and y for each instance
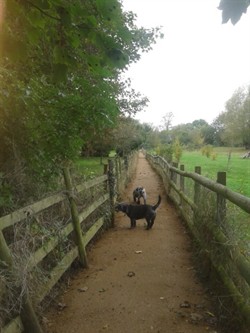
(132, 223)
(152, 222)
(148, 223)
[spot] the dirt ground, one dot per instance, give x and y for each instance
(138, 281)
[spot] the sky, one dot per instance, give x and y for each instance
(198, 65)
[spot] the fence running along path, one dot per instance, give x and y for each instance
(78, 226)
(201, 202)
(208, 208)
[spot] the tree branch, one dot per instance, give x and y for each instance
(43, 12)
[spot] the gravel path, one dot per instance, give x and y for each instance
(138, 281)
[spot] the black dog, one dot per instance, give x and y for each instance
(137, 212)
(138, 193)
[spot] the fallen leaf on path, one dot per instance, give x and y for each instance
(82, 289)
(196, 317)
(185, 304)
(102, 290)
(61, 306)
(105, 327)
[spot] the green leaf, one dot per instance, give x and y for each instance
(60, 72)
(60, 55)
(43, 4)
(34, 36)
(37, 19)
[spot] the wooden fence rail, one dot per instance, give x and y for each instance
(205, 211)
(77, 227)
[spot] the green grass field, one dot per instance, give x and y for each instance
(237, 169)
(91, 166)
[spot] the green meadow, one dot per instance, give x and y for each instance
(236, 168)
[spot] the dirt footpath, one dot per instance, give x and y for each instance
(138, 281)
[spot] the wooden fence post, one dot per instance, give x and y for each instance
(182, 178)
(197, 193)
(5, 255)
(112, 194)
(28, 316)
(75, 219)
(197, 187)
(105, 169)
(116, 172)
(174, 174)
(221, 202)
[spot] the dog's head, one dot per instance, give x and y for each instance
(121, 207)
(139, 191)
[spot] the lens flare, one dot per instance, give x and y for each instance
(1, 12)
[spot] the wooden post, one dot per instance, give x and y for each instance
(116, 172)
(5, 255)
(28, 316)
(197, 187)
(182, 179)
(125, 162)
(174, 176)
(105, 169)
(105, 172)
(221, 201)
(75, 219)
(197, 192)
(111, 180)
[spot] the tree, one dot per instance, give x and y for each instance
(127, 135)
(167, 121)
(64, 80)
(233, 9)
(233, 124)
(177, 150)
(245, 114)
(208, 135)
(190, 134)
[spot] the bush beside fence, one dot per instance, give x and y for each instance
(39, 243)
(208, 208)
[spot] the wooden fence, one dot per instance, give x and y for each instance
(206, 207)
(39, 243)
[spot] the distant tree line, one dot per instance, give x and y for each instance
(230, 128)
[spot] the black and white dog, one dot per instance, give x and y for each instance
(139, 193)
(137, 212)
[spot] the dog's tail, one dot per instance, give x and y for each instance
(158, 203)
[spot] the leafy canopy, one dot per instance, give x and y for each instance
(61, 63)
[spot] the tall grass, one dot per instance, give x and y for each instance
(237, 168)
